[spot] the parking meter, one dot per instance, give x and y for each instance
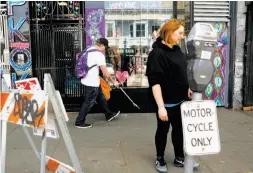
(201, 48)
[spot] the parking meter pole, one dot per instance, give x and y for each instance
(188, 164)
(196, 96)
(189, 160)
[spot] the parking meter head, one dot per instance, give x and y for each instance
(200, 72)
(201, 48)
(201, 41)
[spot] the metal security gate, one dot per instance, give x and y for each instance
(54, 50)
(56, 38)
(248, 60)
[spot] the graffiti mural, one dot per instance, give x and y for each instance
(216, 88)
(19, 36)
(95, 24)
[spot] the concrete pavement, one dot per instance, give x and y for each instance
(126, 145)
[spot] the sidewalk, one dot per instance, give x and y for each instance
(126, 145)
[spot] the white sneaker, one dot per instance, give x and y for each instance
(160, 165)
(179, 162)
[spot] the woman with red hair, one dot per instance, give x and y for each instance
(166, 72)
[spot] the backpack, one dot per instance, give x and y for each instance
(81, 67)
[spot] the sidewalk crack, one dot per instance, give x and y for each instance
(124, 157)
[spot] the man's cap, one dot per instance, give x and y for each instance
(103, 41)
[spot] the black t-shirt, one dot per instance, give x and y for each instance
(167, 67)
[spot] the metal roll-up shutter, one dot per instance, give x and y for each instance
(216, 11)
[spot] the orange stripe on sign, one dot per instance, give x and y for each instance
(52, 165)
(4, 97)
(40, 122)
(15, 118)
(72, 172)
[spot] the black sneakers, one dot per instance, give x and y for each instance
(109, 118)
(83, 126)
(179, 162)
(160, 165)
(114, 115)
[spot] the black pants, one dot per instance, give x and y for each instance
(92, 94)
(175, 120)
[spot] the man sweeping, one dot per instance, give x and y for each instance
(93, 58)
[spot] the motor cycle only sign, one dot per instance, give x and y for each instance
(200, 127)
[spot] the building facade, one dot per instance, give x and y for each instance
(45, 36)
(243, 74)
(239, 54)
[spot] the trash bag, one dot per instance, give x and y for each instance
(105, 88)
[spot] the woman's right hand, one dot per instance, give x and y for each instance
(163, 115)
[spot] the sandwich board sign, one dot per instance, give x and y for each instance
(28, 107)
(200, 127)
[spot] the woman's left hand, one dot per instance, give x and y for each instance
(189, 93)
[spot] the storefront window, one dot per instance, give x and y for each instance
(140, 30)
(131, 31)
(110, 28)
(131, 28)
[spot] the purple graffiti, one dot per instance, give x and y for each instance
(22, 66)
(15, 30)
(11, 3)
(218, 93)
(95, 25)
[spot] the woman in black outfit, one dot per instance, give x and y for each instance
(166, 72)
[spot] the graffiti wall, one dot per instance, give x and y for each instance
(216, 88)
(95, 25)
(19, 38)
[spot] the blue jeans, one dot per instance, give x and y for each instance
(92, 94)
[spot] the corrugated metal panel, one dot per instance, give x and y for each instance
(217, 11)
(3, 8)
